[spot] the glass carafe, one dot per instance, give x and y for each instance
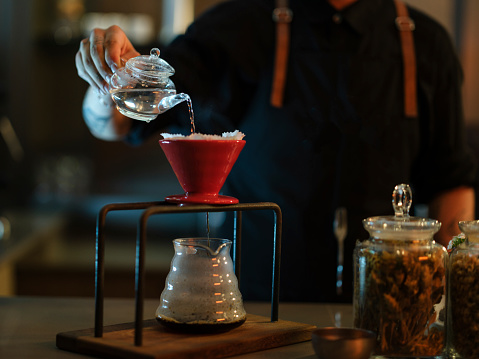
(400, 283)
(142, 89)
(201, 292)
(463, 300)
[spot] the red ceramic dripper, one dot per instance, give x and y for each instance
(201, 167)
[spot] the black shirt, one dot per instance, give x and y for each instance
(341, 138)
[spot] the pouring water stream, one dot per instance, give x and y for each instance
(168, 102)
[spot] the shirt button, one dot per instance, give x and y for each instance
(337, 18)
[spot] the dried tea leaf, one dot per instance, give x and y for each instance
(464, 297)
(395, 294)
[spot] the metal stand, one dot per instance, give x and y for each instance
(151, 208)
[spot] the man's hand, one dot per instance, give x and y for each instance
(101, 54)
(450, 207)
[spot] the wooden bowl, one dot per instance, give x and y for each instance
(343, 343)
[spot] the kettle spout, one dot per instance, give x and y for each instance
(171, 101)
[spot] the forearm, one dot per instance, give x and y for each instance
(449, 208)
(102, 118)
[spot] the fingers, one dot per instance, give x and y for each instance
(80, 65)
(88, 63)
(97, 53)
(86, 69)
(118, 49)
(114, 41)
(99, 56)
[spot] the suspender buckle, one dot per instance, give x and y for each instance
(405, 23)
(282, 14)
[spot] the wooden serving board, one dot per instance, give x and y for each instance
(256, 334)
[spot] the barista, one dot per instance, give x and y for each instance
(340, 137)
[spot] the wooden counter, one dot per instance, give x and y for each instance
(29, 230)
(29, 325)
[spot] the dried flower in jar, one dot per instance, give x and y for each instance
(398, 293)
(464, 297)
(455, 241)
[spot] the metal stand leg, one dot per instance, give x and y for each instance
(100, 255)
(151, 208)
(237, 245)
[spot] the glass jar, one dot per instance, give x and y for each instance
(400, 283)
(463, 300)
(201, 293)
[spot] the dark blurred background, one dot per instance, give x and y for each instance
(41, 95)
(55, 176)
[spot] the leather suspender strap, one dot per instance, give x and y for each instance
(406, 26)
(282, 15)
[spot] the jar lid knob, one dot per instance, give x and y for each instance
(402, 200)
(155, 52)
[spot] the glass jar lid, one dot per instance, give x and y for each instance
(469, 226)
(151, 66)
(401, 225)
(470, 230)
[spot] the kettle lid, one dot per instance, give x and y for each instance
(150, 66)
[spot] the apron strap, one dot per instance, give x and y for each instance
(406, 26)
(282, 15)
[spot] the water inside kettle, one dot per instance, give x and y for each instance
(140, 104)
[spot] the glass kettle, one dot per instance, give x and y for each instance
(201, 293)
(142, 89)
